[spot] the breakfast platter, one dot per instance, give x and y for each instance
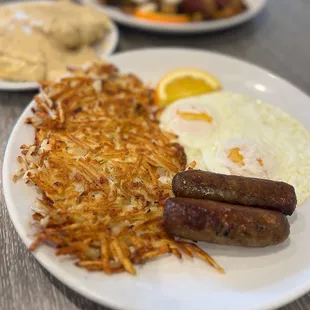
(33, 51)
(138, 159)
(177, 25)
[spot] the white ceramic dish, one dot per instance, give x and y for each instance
(256, 278)
(254, 7)
(110, 44)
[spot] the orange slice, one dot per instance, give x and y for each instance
(184, 83)
(160, 17)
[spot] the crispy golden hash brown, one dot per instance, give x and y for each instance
(104, 169)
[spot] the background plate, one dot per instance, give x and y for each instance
(110, 44)
(256, 278)
(254, 7)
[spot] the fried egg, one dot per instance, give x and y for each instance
(193, 119)
(232, 134)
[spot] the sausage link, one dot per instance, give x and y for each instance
(266, 194)
(222, 223)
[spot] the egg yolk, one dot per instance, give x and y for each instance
(236, 157)
(190, 116)
(260, 161)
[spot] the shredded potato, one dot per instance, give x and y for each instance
(98, 159)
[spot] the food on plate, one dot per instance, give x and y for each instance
(222, 223)
(213, 9)
(179, 10)
(183, 83)
(110, 152)
(261, 193)
(17, 63)
(38, 40)
(104, 170)
(235, 135)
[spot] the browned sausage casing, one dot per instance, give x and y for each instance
(266, 194)
(222, 223)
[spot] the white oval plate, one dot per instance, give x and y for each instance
(256, 278)
(110, 44)
(254, 7)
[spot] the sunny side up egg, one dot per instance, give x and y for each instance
(232, 134)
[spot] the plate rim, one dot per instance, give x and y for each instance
(202, 27)
(106, 301)
(113, 39)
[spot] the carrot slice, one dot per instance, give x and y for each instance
(164, 18)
